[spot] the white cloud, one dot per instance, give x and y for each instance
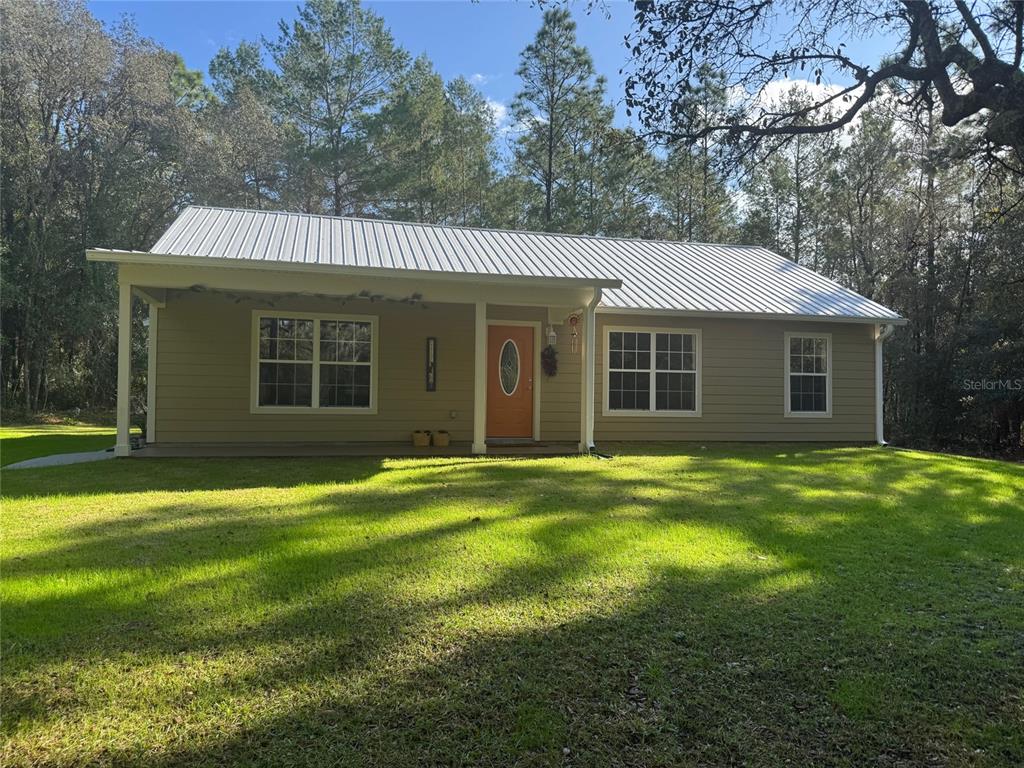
(499, 112)
(478, 78)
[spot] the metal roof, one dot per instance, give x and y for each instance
(654, 274)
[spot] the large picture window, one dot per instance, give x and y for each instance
(313, 362)
(808, 374)
(653, 371)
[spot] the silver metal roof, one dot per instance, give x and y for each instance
(655, 275)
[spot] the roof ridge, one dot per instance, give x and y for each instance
(748, 246)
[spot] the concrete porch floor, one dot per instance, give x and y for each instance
(282, 450)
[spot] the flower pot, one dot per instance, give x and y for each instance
(420, 438)
(442, 439)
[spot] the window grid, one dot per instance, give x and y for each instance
(662, 379)
(302, 356)
(807, 370)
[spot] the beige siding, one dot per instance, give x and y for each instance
(203, 373)
(204, 369)
(743, 384)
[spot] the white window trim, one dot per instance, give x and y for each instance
(827, 413)
(606, 378)
(315, 407)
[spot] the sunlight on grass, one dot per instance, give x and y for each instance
(669, 606)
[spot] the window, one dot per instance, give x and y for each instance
(345, 362)
(286, 361)
(808, 375)
(653, 371)
(306, 362)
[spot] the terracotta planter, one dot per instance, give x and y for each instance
(420, 438)
(442, 439)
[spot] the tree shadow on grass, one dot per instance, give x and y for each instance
(732, 606)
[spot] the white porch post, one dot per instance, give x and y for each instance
(588, 359)
(154, 315)
(480, 380)
(124, 368)
(882, 332)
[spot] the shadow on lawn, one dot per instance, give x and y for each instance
(860, 610)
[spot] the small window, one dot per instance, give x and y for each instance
(808, 375)
(305, 362)
(508, 367)
(653, 371)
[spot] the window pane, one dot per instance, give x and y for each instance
(643, 342)
(661, 345)
(808, 393)
(344, 386)
(676, 391)
(794, 361)
(285, 384)
(615, 341)
(615, 359)
(643, 361)
(689, 361)
(628, 391)
(794, 345)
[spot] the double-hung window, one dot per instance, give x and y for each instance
(652, 371)
(808, 374)
(310, 362)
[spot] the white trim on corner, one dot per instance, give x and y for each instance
(827, 413)
(536, 325)
(314, 407)
(698, 394)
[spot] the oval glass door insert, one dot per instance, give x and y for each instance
(508, 367)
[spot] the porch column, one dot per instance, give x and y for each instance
(154, 315)
(124, 368)
(480, 380)
(588, 359)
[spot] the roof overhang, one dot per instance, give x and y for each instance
(604, 309)
(216, 262)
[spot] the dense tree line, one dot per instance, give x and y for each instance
(106, 135)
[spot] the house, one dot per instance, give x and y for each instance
(273, 328)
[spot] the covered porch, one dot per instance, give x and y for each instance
(436, 361)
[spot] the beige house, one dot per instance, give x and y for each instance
(277, 329)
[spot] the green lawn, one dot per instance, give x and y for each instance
(28, 442)
(673, 606)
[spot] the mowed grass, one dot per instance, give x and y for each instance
(741, 605)
(28, 442)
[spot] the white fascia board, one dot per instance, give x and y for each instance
(606, 310)
(139, 257)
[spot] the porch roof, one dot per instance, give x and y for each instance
(636, 275)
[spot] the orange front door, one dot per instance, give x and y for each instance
(510, 381)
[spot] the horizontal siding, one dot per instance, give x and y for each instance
(203, 378)
(203, 373)
(743, 383)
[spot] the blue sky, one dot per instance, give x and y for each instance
(481, 41)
